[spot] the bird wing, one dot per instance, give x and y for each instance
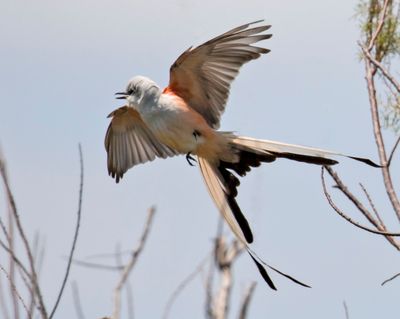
(202, 76)
(129, 142)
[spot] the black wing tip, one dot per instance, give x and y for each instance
(264, 50)
(266, 36)
(117, 176)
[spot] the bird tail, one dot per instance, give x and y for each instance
(222, 183)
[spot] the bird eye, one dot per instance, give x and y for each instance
(131, 90)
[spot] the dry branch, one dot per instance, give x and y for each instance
(15, 293)
(390, 279)
(78, 222)
(246, 300)
(77, 301)
(183, 284)
(346, 310)
(129, 266)
(33, 274)
(340, 185)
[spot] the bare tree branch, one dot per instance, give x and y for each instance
(380, 143)
(78, 221)
(128, 268)
(129, 300)
(109, 255)
(77, 301)
(225, 256)
(96, 265)
(3, 305)
(246, 300)
(346, 310)
(183, 285)
(392, 152)
(390, 279)
(370, 70)
(361, 208)
(371, 203)
(17, 261)
(15, 290)
(11, 241)
(379, 65)
(129, 293)
(38, 257)
(33, 274)
(209, 281)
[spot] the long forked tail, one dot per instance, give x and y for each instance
(222, 181)
(290, 151)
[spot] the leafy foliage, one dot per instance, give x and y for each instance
(386, 51)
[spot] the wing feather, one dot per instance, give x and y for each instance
(202, 76)
(129, 142)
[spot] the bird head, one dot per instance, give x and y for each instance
(138, 89)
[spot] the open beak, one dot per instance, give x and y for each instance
(123, 95)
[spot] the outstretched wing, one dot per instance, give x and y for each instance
(129, 142)
(202, 76)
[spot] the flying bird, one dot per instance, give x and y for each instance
(184, 117)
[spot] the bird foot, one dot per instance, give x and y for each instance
(190, 158)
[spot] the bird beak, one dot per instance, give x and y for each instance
(123, 95)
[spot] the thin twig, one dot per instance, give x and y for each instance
(131, 264)
(17, 261)
(246, 300)
(370, 69)
(3, 305)
(328, 197)
(96, 265)
(33, 274)
(392, 152)
(25, 275)
(390, 279)
(35, 248)
(346, 310)
(183, 285)
(109, 255)
(77, 300)
(379, 65)
(209, 281)
(129, 300)
(371, 203)
(11, 240)
(78, 221)
(15, 290)
(39, 264)
(128, 289)
(4, 229)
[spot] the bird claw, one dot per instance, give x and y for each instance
(190, 158)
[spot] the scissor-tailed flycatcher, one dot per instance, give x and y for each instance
(184, 118)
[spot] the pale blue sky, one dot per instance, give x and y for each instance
(61, 63)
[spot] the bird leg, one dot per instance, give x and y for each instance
(189, 157)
